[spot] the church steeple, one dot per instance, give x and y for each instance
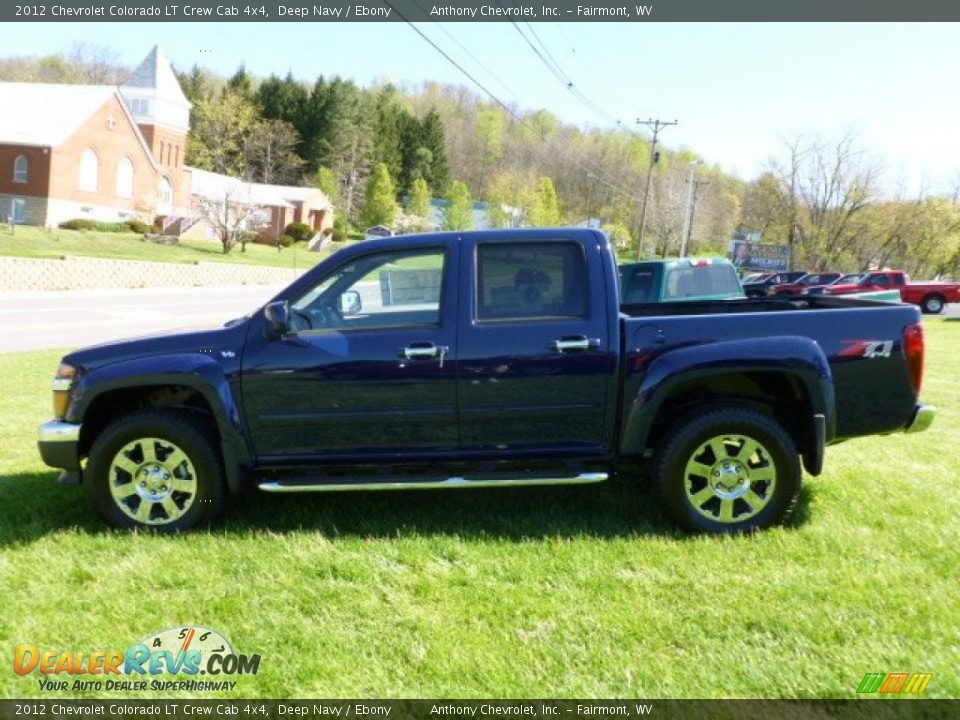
(154, 94)
(159, 107)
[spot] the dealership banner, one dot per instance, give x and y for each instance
(493, 11)
(174, 709)
(756, 256)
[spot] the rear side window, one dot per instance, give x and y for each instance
(530, 280)
(638, 285)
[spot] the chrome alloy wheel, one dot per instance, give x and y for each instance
(730, 478)
(153, 481)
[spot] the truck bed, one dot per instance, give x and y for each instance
(842, 328)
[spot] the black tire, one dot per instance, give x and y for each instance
(933, 304)
(181, 430)
(688, 437)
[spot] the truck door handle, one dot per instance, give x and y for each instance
(575, 342)
(425, 351)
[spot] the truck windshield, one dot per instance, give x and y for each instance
(700, 281)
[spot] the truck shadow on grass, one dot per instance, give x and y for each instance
(33, 505)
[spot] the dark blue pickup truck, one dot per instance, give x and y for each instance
(487, 359)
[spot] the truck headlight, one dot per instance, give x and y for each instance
(62, 382)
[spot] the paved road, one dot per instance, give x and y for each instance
(952, 311)
(69, 319)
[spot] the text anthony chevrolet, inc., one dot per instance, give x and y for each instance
(535, 11)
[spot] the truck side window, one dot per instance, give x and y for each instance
(385, 290)
(530, 280)
(639, 287)
(880, 280)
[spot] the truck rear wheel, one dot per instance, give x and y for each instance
(728, 470)
(933, 304)
(156, 469)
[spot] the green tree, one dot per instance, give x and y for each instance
(488, 135)
(282, 99)
(433, 139)
(390, 119)
(241, 83)
(221, 126)
(619, 235)
(380, 205)
(198, 84)
(458, 213)
(419, 203)
(505, 195)
(325, 180)
(545, 211)
(271, 153)
(285, 100)
(339, 134)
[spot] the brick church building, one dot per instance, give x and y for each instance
(118, 153)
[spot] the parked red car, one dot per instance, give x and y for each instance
(932, 297)
(808, 280)
(823, 289)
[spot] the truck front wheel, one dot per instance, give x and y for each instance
(728, 470)
(156, 469)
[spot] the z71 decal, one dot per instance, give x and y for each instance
(867, 348)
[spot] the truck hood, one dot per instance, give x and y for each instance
(220, 342)
(846, 287)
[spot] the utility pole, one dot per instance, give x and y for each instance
(657, 125)
(693, 185)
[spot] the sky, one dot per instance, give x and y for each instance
(738, 90)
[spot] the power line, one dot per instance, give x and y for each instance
(583, 166)
(546, 57)
(470, 54)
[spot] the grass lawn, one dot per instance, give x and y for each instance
(567, 592)
(34, 242)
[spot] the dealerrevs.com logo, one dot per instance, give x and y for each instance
(894, 683)
(192, 651)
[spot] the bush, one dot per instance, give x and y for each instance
(139, 227)
(300, 232)
(100, 226)
(77, 224)
(286, 241)
(338, 235)
(110, 227)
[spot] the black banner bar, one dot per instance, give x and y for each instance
(174, 709)
(492, 11)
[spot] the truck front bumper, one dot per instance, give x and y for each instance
(59, 444)
(923, 415)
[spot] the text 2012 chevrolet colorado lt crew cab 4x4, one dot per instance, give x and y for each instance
(487, 359)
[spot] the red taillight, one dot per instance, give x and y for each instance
(913, 350)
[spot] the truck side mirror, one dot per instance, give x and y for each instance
(278, 315)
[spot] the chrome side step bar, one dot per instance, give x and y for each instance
(449, 483)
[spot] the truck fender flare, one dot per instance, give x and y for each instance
(193, 370)
(798, 357)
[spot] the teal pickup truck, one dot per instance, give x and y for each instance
(679, 279)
